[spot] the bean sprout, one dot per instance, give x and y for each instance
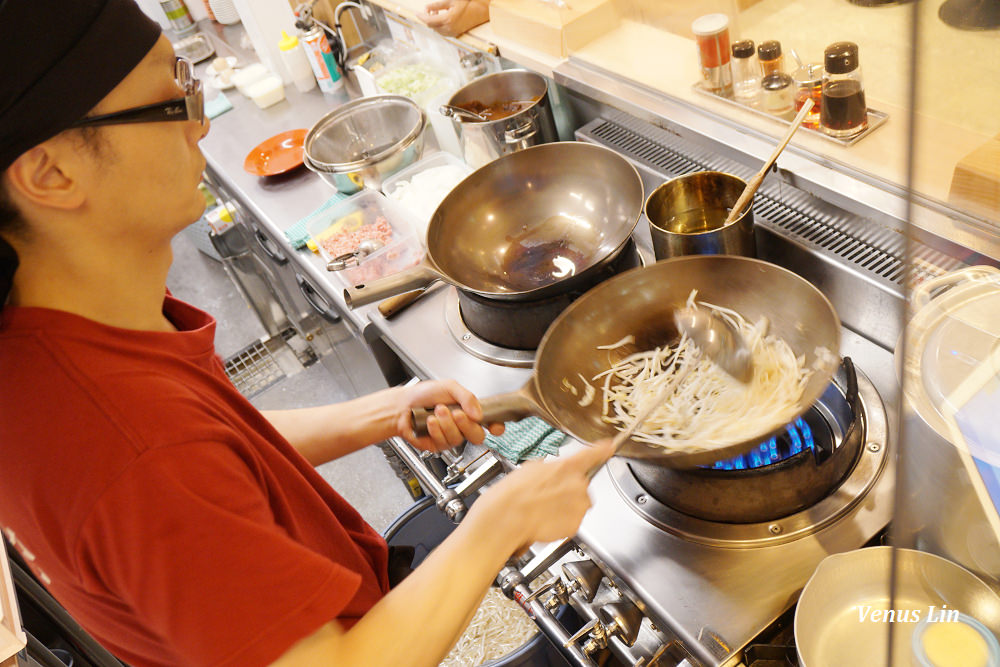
(498, 627)
(709, 409)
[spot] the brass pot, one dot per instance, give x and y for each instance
(687, 215)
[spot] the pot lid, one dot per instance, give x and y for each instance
(952, 374)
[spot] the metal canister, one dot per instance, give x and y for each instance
(324, 65)
(179, 16)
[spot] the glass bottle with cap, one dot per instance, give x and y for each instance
(746, 72)
(843, 111)
(809, 84)
(711, 32)
(777, 94)
(771, 58)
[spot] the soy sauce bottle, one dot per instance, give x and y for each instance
(843, 112)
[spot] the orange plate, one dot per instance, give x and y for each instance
(280, 153)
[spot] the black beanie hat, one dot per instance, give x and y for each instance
(59, 59)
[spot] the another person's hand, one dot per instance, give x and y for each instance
(544, 500)
(446, 428)
(453, 17)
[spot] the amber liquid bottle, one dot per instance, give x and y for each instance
(843, 112)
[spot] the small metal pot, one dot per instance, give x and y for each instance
(484, 141)
(687, 216)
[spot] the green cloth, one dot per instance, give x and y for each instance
(218, 105)
(526, 439)
(298, 233)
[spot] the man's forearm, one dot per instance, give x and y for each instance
(328, 432)
(427, 612)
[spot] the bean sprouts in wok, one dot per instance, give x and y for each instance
(708, 409)
(498, 627)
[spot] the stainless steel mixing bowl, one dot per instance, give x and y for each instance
(361, 143)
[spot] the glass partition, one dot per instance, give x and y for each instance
(956, 136)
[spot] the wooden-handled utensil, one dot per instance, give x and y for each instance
(758, 178)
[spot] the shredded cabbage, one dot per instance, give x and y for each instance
(498, 627)
(708, 409)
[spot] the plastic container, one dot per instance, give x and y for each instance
(263, 21)
(266, 92)
(424, 184)
(249, 75)
(351, 218)
(411, 76)
(297, 62)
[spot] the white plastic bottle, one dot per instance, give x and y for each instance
(297, 62)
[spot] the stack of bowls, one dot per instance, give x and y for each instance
(361, 143)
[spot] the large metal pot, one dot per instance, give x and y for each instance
(641, 303)
(528, 225)
(687, 216)
(950, 376)
(834, 624)
(485, 141)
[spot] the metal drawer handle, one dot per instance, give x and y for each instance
(316, 300)
(268, 246)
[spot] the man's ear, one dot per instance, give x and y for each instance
(42, 177)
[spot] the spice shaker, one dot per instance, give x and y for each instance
(746, 72)
(771, 58)
(711, 32)
(777, 94)
(809, 84)
(843, 111)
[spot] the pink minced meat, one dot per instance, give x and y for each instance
(345, 242)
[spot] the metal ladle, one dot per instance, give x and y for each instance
(718, 339)
(347, 260)
(449, 110)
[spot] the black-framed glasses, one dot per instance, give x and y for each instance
(189, 107)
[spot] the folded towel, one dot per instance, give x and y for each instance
(298, 234)
(218, 105)
(528, 438)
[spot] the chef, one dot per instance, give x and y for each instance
(175, 522)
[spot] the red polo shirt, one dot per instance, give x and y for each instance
(158, 505)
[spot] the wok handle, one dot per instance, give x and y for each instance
(496, 409)
(417, 277)
(394, 304)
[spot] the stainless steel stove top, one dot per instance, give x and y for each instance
(710, 595)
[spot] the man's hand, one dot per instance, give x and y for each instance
(446, 428)
(453, 17)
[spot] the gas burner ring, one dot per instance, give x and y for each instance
(866, 472)
(476, 346)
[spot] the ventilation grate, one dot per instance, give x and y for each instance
(869, 247)
(253, 369)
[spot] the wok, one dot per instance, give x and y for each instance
(525, 226)
(641, 303)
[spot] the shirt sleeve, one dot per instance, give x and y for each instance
(186, 540)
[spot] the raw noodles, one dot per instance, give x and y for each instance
(498, 627)
(708, 409)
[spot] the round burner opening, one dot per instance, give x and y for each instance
(781, 476)
(811, 435)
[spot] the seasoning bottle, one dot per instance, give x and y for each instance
(777, 94)
(297, 62)
(179, 16)
(843, 111)
(746, 72)
(771, 59)
(711, 32)
(809, 84)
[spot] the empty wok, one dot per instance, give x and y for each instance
(641, 303)
(525, 226)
